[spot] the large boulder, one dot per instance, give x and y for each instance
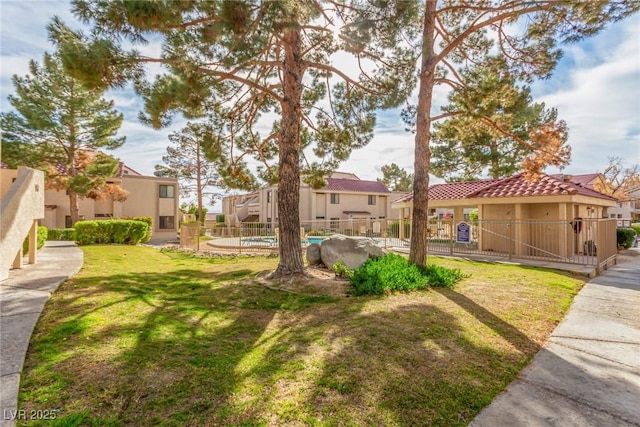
(352, 252)
(313, 254)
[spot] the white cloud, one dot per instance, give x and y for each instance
(601, 102)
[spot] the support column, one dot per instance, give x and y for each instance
(519, 233)
(480, 226)
(563, 240)
(33, 242)
(17, 261)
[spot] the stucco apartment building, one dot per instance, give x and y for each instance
(152, 196)
(344, 197)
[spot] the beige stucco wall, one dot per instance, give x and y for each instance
(21, 204)
(313, 204)
(143, 200)
(551, 231)
(6, 179)
(55, 216)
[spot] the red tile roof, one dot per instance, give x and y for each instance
(355, 185)
(518, 186)
(452, 190)
(513, 186)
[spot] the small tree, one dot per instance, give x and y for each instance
(61, 124)
(617, 179)
(396, 178)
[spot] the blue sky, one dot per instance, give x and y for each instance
(596, 89)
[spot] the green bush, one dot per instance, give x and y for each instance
(148, 220)
(219, 218)
(394, 229)
(394, 273)
(120, 231)
(341, 270)
(625, 237)
(61, 234)
(315, 233)
(636, 228)
(41, 239)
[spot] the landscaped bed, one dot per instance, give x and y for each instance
(142, 337)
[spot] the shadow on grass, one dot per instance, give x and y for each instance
(192, 347)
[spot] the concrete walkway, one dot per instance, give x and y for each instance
(588, 372)
(22, 298)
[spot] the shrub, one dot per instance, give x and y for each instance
(219, 218)
(61, 234)
(341, 270)
(625, 237)
(41, 239)
(394, 273)
(121, 231)
(636, 228)
(315, 233)
(148, 220)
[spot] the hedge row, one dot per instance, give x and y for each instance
(121, 231)
(62, 234)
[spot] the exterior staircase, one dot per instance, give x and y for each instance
(21, 205)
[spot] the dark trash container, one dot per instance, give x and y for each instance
(590, 248)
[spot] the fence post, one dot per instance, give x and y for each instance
(451, 236)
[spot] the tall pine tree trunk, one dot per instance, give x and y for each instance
(290, 246)
(420, 219)
(199, 183)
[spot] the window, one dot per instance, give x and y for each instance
(371, 200)
(612, 215)
(269, 196)
(166, 222)
(166, 192)
(335, 198)
(319, 217)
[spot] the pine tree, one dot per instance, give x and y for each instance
(186, 160)
(489, 128)
(58, 124)
(396, 178)
(320, 67)
(526, 36)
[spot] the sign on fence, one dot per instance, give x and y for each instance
(463, 232)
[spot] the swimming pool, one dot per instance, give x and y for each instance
(315, 239)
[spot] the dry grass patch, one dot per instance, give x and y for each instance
(145, 337)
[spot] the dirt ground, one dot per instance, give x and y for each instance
(318, 280)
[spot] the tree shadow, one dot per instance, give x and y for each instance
(193, 347)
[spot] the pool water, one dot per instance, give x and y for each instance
(315, 239)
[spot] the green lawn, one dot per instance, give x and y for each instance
(143, 337)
